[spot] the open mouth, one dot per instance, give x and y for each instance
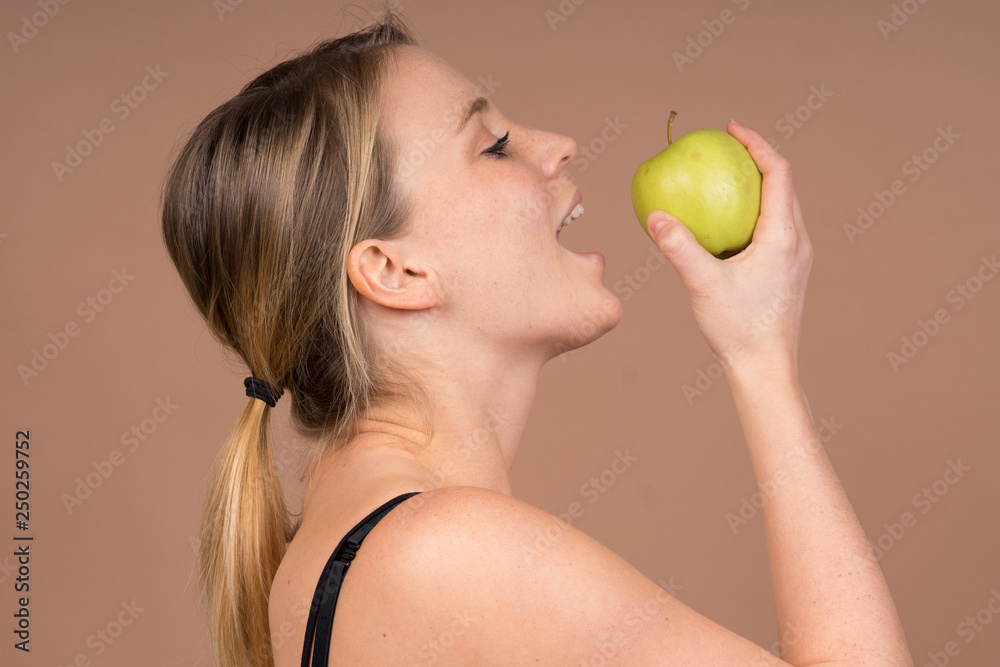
(573, 215)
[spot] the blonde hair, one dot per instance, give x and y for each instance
(260, 211)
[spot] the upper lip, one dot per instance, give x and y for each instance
(577, 199)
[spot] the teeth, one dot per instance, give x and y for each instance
(573, 215)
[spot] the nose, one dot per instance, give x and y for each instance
(559, 151)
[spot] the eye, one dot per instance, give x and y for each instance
(498, 150)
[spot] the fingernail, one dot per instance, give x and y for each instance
(658, 224)
(735, 122)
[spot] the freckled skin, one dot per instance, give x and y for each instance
(485, 228)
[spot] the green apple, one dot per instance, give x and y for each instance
(707, 180)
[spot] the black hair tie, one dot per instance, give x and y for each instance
(265, 391)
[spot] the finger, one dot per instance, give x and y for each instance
(777, 193)
(800, 221)
(695, 265)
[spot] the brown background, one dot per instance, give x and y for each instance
(133, 538)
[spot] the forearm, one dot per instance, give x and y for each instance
(829, 590)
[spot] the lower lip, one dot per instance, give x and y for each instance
(594, 256)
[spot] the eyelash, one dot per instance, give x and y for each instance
(498, 149)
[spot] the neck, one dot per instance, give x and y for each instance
(479, 415)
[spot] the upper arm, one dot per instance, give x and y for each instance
(530, 588)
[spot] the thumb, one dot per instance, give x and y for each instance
(691, 261)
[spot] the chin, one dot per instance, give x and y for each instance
(592, 323)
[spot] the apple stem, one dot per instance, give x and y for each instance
(670, 124)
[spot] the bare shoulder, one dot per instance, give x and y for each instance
(508, 583)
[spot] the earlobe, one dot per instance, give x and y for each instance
(379, 272)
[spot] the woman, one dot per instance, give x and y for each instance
(372, 237)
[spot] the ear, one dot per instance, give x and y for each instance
(379, 271)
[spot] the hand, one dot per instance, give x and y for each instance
(748, 306)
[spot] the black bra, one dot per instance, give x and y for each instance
(325, 598)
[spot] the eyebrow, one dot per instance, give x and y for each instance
(478, 104)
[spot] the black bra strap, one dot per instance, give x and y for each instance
(325, 598)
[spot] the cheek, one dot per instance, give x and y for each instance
(524, 203)
(491, 234)
(498, 270)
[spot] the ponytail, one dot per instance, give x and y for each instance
(243, 536)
